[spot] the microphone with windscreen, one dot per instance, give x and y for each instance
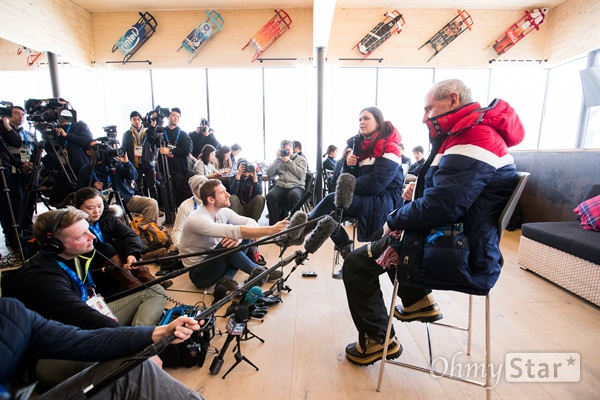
(294, 237)
(344, 193)
(317, 237)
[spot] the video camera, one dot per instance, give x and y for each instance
(6, 108)
(45, 114)
(161, 114)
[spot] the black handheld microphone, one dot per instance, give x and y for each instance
(219, 293)
(237, 322)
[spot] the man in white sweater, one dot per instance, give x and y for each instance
(214, 226)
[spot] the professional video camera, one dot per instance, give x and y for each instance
(45, 114)
(111, 133)
(105, 152)
(161, 114)
(6, 109)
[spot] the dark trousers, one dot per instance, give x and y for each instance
(365, 300)
(146, 181)
(211, 271)
(280, 201)
(5, 212)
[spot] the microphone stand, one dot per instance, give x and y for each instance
(182, 271)
(156, 348)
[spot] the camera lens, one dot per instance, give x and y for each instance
(249, 168)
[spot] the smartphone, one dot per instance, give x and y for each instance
(309, 274)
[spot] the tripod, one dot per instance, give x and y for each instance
(166, 191)
(6, 191)
(217, 363)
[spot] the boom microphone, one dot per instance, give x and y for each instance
(344, 191)
(300, 203)
(294, 237)
(320, 234)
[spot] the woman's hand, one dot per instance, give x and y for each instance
(352, 160)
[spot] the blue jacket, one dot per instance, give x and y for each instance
(379, 180)
(469, 180)
(25, 334)
(124, 173)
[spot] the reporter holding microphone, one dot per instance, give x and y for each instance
(375, 164)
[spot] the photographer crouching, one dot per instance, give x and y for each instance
(246, 191)
(111, 169)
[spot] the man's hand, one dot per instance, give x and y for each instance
(408, 192)
(27, 167)
(6, 124)
(123, 159)
(281, 226)
(240, 171)
(229, 243)
(60, 132)
(130, 260)
(165, 150)
(182, 327)
(98, 185)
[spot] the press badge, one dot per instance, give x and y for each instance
(97, 303)
(24, 154)
(171, 147)
(137, 151)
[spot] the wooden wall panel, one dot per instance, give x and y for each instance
(224, 50)
(58, 26)
(573, 29)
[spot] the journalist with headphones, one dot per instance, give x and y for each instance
(57, 284)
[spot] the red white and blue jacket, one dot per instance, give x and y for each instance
(469, 180)
(379, 180)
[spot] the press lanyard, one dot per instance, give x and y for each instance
(176, 139)
(95, 228)
(195, 205)
(98, 180)
(83, 288)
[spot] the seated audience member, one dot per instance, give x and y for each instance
(57, 283)
(339, 164)
(203, 135)
(329, 166)
(186, 208)
(329, 157)
(204, 165)
(289, 169)
(417, 165)
(236, 149)
(467, 182)
(379, 179)
(405, 159)
(25, 334)
(297, 147)
(116, 244)
(116, 174)
(213, 226)
(222, 161)
(246, 191)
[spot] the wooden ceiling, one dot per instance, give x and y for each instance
(93, 6)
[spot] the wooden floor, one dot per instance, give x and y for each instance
(305, 337)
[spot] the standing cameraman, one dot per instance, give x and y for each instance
(142, 154)
(11, 132)
(177, 147)
(115, 172)
(76, 136)
(246, 192)
(203, 135)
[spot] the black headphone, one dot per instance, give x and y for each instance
(52, 245)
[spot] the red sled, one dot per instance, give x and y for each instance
(269, 33)
(530, 21)
(392, 23)
(448, 33)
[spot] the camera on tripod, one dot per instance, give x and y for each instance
(6, 108)
(105, 152)
(161, 114)
(45, 114)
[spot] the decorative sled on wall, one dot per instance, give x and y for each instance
(31, 57)
(269, 33)
(530, 21)
(209, 27)
(392, 23)
(136, 36)
(448, 33)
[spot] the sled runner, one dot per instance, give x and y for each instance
(212, 24)
(517, 31)
(448, 33)
(269, 33)
(392, 23)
